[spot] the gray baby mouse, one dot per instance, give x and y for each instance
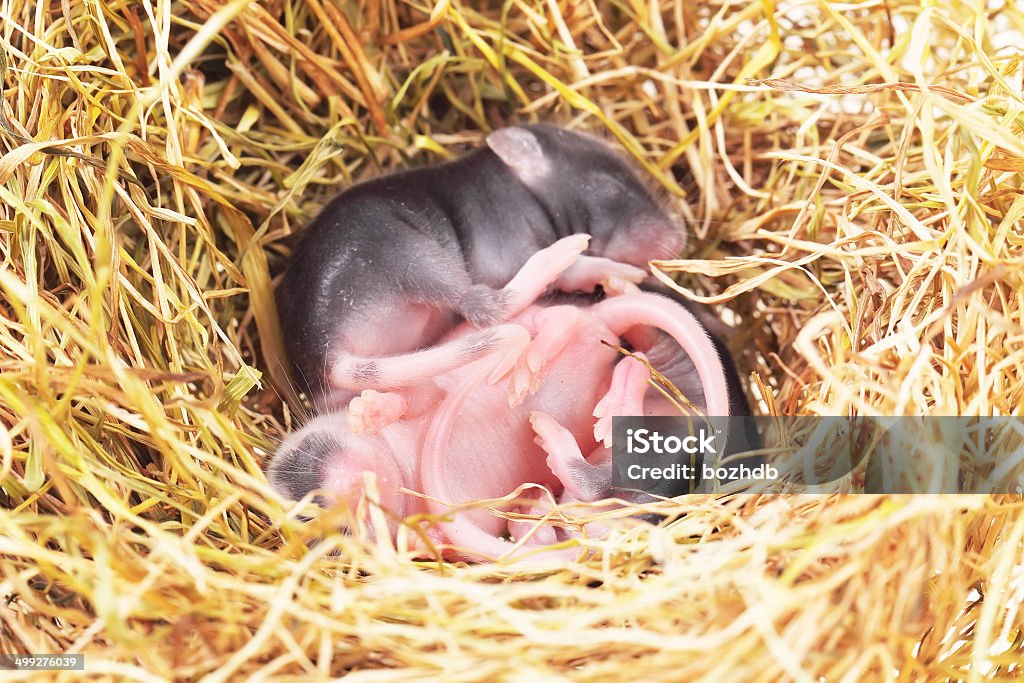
(393, 263)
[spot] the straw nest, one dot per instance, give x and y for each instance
(850, 174)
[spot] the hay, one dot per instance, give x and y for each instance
(851, 174)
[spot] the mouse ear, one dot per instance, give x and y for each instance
(520, 150)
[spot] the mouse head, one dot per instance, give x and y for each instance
(586, 187)
(325, 456)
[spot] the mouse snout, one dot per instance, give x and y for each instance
(643, 237)
(346, 468)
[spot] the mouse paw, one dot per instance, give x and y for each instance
(555, 328)
(372, 411)
(563, 453)
(524, 380)
(561, 255)
(624, 397)
(616, 286)
(542, 270)
(509, 343)
(587, 272)
(580, 479)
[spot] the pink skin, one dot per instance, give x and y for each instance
(616, 278)
(373, 410)
(625, 397)
(622, 313)
(564, 441)
(477, 422)
(458, 461)
(581, 476)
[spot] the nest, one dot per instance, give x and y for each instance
(850, 178)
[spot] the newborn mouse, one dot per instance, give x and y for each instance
(535, 408)
(440, 438)
(390, 265)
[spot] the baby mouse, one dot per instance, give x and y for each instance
(392, 264)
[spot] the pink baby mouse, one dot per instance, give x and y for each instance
(522, 412)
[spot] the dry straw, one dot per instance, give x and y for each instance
(851, 176)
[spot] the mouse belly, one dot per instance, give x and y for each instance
(480, 447)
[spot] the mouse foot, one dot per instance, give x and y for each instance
(624, 397)
(582, 480)
(542, 270)
(372, 411)
(509, 354)
(525, 366)
(587, 272)
(555, 328)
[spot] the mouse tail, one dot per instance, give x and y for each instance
(468, 539)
